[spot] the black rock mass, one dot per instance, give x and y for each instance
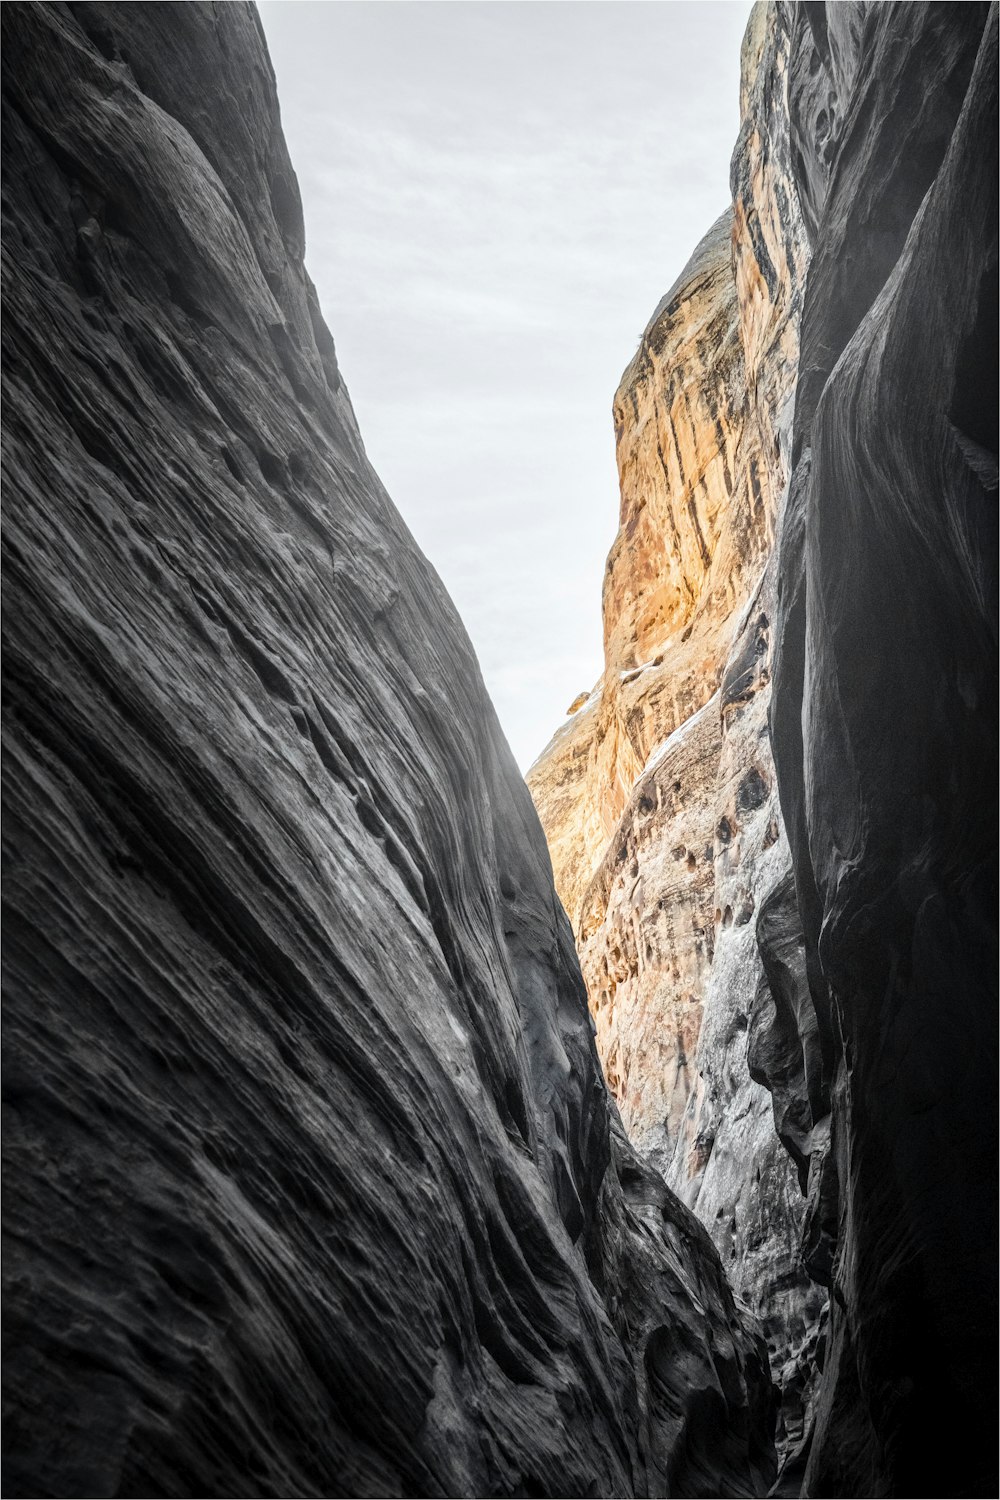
(312, 1182)
(884, 733)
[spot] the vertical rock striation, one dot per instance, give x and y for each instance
(675, 415)
(675, 430)
(882, 955)
(312, 1182)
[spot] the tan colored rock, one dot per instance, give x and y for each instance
(645, 934)
(658, 797)
(669, 576)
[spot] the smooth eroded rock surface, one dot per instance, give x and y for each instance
(884, 726)
(312, 1182)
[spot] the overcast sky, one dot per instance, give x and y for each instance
(496, 196)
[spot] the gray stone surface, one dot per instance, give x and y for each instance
(880, 1035)
(312, 1182)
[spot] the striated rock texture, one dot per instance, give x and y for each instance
(674, 422)
(312, 1182)
(663, 783)
(880, 1038)
(674, 415)
(727, 1161)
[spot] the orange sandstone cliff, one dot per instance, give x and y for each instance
(658, 794)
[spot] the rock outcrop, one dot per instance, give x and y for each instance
(312, 1182)
(675, 419)
(659, 797)
(880, 1042)
(848, 967)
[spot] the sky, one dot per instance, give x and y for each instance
(497, 193)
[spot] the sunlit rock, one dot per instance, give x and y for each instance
(660, 805)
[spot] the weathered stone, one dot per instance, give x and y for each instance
(675, 428)
(312, 1182)
(659, 798)
(884, 730)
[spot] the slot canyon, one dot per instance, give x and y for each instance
(378, 1121)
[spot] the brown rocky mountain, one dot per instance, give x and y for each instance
(658, 797)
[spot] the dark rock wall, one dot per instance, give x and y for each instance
(312, 1182)
(883, 720)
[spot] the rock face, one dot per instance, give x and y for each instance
(659, 797)
(312, 1182)
(880, 1041)
(848, 967)
(674, 425)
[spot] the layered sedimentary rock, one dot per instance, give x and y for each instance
(880, 1037)
(312, 1182)
(675, 416)
(663, 785)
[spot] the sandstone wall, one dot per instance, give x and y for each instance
(880, 1030)
(675, 415)
(312, 1182)
(848, 966)
(663, 784)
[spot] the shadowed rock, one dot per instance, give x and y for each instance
(312, 1182)
(884, 733)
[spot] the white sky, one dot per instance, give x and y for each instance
(496, 196)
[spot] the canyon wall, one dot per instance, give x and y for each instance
(847, 397)
(658, 797)
(882, 949)
(312, 1182)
